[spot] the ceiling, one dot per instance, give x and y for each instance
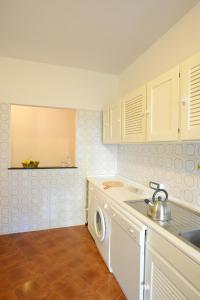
(99, 35)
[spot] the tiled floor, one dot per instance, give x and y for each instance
(56, 264)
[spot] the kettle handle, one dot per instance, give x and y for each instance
(158, 191)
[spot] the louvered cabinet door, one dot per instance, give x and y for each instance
(190, 98)
(163, 107)
(134, 117)
(164, 282)
(106, 124)
(115, 122)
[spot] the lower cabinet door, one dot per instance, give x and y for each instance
(164, 282)
(127, 261)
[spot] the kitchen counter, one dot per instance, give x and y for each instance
(134, 191)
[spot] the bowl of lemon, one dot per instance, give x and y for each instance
(30, 164)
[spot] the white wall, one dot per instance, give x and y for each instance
(41, 199)
(180, 42)
(32, 83)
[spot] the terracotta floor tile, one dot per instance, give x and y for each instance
(109, 289)
(56, 264)
(11, 261)
(69, 290)
(40, 263)
(32, 290)
(19, 275)
(83, 284)
(52, 296)
(121, 297)
(7, 249)
(9, 295)
(5, 284)
(89, 296)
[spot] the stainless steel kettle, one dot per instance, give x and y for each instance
(158, 208)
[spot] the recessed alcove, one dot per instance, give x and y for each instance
(43, 134)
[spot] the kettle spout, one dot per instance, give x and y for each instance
(147, 201)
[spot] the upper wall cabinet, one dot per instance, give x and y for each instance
(190, 98)
(106, 124)
(169, 111)
(163, 107)
(115, 122)
(134, 116)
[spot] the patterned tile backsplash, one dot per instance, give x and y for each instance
(40, 199)
(174, 165)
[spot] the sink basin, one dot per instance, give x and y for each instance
(192, 236)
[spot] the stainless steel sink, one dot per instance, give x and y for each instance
(184, 224)
(192, 236)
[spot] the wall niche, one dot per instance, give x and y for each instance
(43, 134)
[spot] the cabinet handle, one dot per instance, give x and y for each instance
(114, 215)
(184, 100)
(131, 230)
(105, 205)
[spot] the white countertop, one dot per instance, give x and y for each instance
(127, 192)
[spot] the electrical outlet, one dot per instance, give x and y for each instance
(154, 185)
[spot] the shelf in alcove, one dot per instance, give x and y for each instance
(41, 168)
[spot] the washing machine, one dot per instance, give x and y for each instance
(102, 225)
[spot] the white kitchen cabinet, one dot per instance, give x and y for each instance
(163, 107)
(115, 122)
(169, 274)
(134, 116)
(190, 98)
(106, 124)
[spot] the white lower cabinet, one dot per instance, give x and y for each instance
(164, 282)
(127, 253)
(169, 274)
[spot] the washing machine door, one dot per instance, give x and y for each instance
(99, 224)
